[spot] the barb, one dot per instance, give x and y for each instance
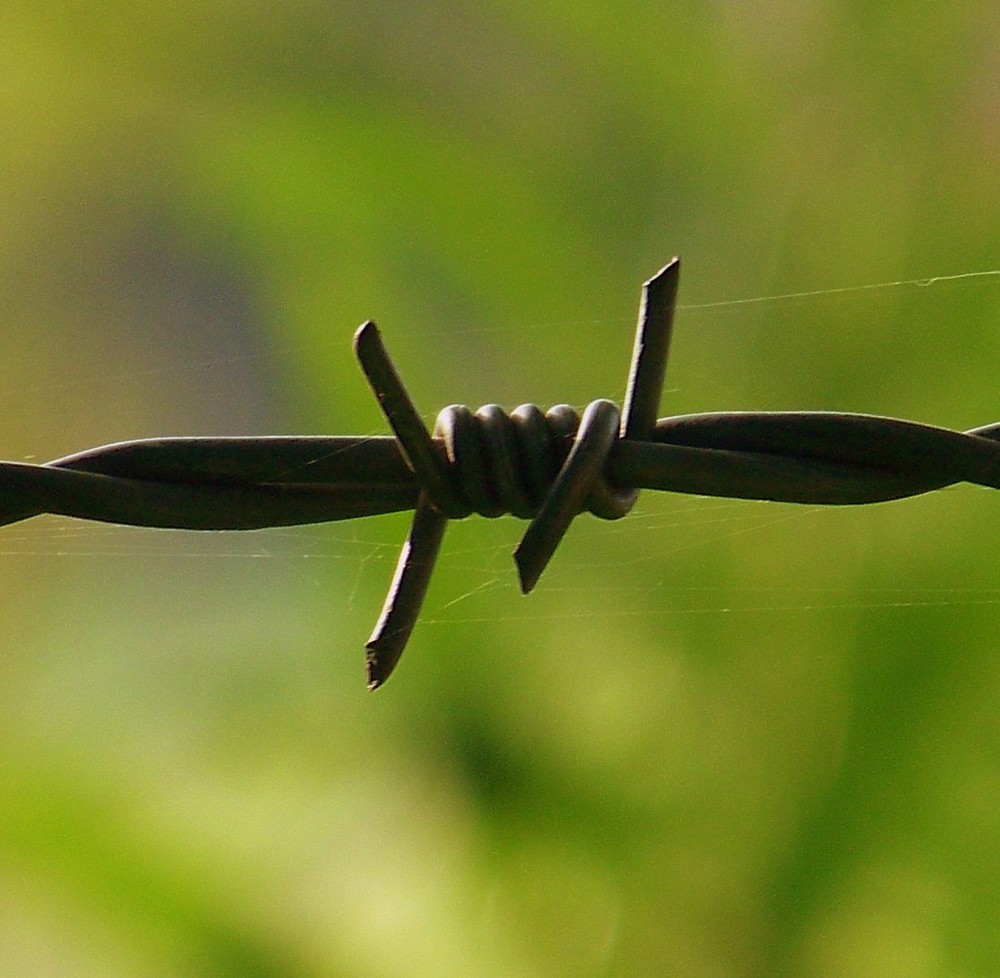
(543, 467)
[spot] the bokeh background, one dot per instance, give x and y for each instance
(721, 739)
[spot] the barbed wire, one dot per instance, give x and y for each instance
(543, 467)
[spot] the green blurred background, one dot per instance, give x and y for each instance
(721, 739)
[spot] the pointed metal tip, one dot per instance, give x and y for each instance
(378, 667)
(568, 495)
(650, 351)
(528, 571)
(366, 330)
(671, 270)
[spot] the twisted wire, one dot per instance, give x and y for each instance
(542, 467)
(505, 464)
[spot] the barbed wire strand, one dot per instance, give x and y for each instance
(544, 467)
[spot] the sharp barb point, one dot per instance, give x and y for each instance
(650, 352)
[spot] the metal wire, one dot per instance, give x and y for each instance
(543, 467)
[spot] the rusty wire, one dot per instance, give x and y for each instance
(546, 468)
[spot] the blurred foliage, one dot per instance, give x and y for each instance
(722, 739)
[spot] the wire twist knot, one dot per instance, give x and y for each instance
(507, 463)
